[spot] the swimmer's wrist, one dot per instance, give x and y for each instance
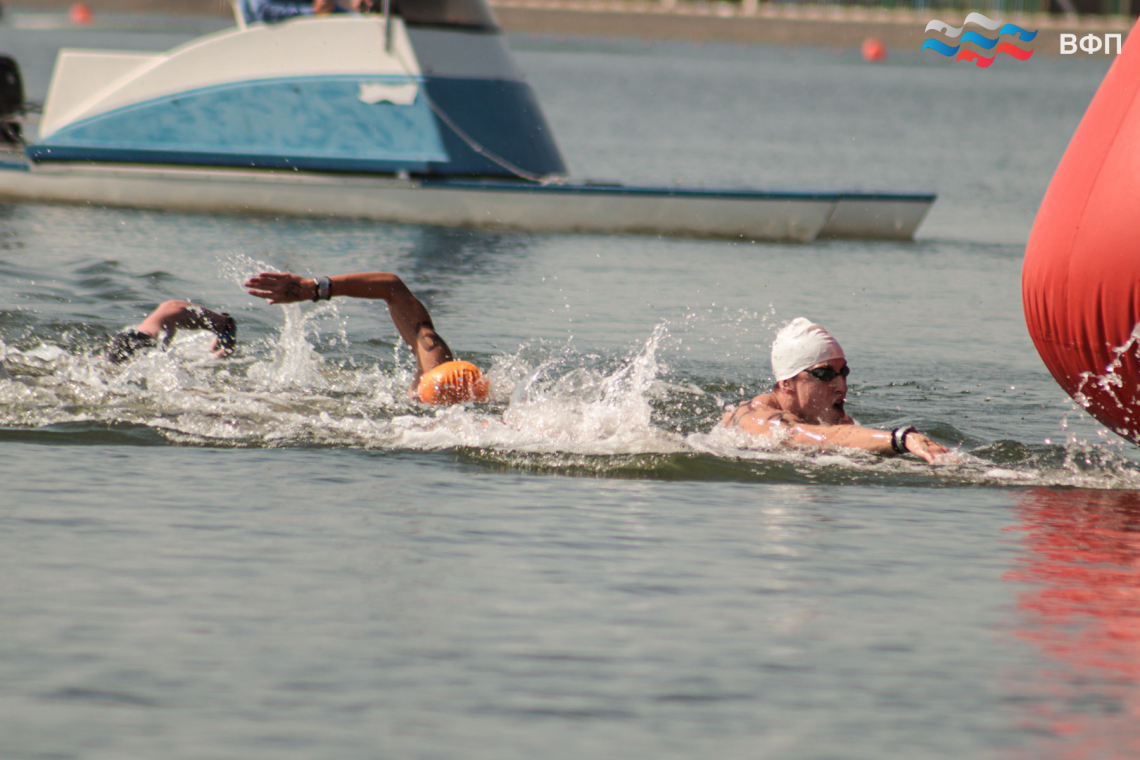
(898, 438)
(322, 289)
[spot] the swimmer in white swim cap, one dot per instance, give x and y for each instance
(440, 379)
(807, 403)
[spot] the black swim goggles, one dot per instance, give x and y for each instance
(827, 374)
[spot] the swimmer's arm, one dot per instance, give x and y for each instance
(767, 422)
(408, 314)
(286, 287)
(868, 439)
(171, 316)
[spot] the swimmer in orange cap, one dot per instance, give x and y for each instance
(806, 405)
(440, 379)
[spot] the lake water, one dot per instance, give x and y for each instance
(279, 556)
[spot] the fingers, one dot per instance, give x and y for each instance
(275, 287)
(921, 446)
(267, 280)
(274, 297)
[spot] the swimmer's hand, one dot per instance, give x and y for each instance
(934, 453)
(218, 350)
(281, 287)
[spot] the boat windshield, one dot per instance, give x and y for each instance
(472, 14)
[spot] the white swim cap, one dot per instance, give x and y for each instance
(801, 344)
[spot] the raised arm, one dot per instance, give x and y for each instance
(409, 315)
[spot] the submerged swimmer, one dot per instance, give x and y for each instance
(168, 319)
(440, 379)
(806, 404)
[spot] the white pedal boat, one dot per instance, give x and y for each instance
(418, 117)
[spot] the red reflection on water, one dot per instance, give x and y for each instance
(1084, 611)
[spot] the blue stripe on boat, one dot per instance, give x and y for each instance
(318, 121)
(320, 124)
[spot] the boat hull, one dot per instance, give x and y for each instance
(741, 215)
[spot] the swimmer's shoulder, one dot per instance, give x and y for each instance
(757, 411)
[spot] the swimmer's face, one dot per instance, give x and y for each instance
(820, 402)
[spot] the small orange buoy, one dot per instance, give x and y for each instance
(80, 13)
(453, 383)
(874, 49)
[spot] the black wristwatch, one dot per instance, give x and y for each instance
(898, 438)
(324, 290)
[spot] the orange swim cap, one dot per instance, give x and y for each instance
(452, 383)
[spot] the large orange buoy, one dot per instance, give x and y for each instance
(452, 383)
(1080, 283)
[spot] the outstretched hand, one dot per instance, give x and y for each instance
(919, 445)
(281, 287)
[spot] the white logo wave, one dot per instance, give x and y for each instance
(973, 18)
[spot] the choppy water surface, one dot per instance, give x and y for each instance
(279, 555)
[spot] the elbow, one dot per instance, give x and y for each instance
(394, 284)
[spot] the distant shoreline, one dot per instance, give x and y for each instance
(700, 22)
(836, 27)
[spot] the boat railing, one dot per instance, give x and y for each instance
(239, 17)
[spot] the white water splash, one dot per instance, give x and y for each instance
(1110, 382)
(293, 362)
(549, 402)
(588, 410)
(287, 394)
